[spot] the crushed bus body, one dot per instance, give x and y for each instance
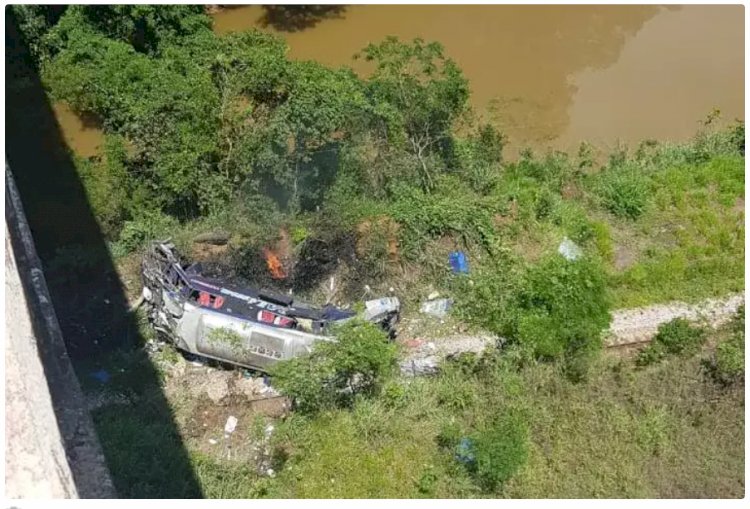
(243, 326)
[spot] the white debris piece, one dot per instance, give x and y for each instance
(377, 307)
(569, 250)
(231, 424)
(438, 308)
(268, 431)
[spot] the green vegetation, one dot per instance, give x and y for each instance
(728, 363)
(677, 337)
(334, 373)
(374, 181)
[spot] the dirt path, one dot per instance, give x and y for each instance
(638, 325)
(628, 327)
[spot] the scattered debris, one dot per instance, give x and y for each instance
(459, 262)
(465, 451)
(433, 296)
(569, 250)
(437, 307)
(101, 376)
(100, 399)
(425, 357)
(213, 441)
(268, 431)
(216, 388)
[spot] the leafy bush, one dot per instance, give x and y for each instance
(676, 337)
(149, 225)
(572, 217)
(730, 359)
(479, 158)
(624, 192)
(556, 308)
(563, 306)
(500, 449)
(728, 363)
(107, 185)
(359, 361)
(449, 210)
(553, 170)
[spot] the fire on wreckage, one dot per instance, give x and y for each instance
(243, 326)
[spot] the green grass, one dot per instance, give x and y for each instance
(692, 242)
(663, 431)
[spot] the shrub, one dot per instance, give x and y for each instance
(500, 449)
(676, 337)
(149, 225)
(450, 210)
(479, 158)
(563, 307)
(624, 192)
(572, 217)
(555, 309)
(728, 363)
(359, 361)
(729, 360)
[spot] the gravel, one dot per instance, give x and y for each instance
(629, 326)
(638, 325)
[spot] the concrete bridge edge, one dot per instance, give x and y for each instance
(52, 450)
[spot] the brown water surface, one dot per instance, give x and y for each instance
(82, 134)
(548, 75)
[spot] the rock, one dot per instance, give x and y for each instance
(217, 389)
(251, 388)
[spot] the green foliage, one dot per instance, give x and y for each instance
(108, 185)
(147, 226)
(500, 449)
(448, 211)
(623, 192)
(34, 22)
(146, 28)
(676, 337)
(728, 363)
(556, 308)
(72, 263)
(416, 94)
(553, 170)
(563, 309)
(479, 158)
(359, 361)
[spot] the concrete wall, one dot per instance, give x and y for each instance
(51, 448)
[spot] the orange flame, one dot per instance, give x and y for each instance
(274, 265)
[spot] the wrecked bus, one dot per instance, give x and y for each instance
(243, 326)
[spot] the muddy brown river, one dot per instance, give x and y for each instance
(549, 76)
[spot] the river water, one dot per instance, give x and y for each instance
(548, 76)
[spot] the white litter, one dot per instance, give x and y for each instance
(438, 308)
(268, 431)
(212, 441)
(569, 250)
(231, 424)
